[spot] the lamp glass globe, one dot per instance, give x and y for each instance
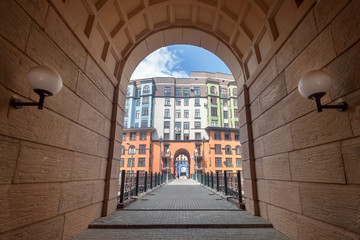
(44, 78)
(313, 82)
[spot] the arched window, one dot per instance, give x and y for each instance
(213, 90)
(146, 89)
(132, 149)
(227, 149)
(234, 91)
(122, 150)
(238, 150)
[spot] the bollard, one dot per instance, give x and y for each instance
(225, 184)
(137, 183)
(145, 182)
(212, 180)
(208, 179)
(151, 180)
(239, 185)
(122, 187)
(217, 182)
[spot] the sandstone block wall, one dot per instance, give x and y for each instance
(53, 163)
(307, 163)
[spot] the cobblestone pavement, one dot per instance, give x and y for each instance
(182, 209)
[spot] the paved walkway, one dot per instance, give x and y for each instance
(181, 210)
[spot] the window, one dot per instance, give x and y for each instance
(234, 91)
(141, 162)
(167, 113)
(127, 102)
(167, 101)
(186, 125)
(138, 91)
(197, 102)
(197, 113)
(238, 150)
(132, 149)
(217, 148)
(213, 101)
(178, 102)
(186, 113)
(197, 136)
(214, 123)
(225, 103)
(238, 162)
(213, 90)
(126, 114)
(122, 150)
(237, 138)
(226, 125)
(223, 93)
(178, 92)
(167, 91)
(166, 124)
(136, 125)
(227, 136)
(237, 124)
(235, 102)
(145, 112)
(229, 162)
(218, 162)
(186, 136)
(142, 135)
(227, 149)
(213, 111)
(177, 126)
(125, 124)
(177, 137)
(133, 136)
(196, 91)
(166, 147)
(178, 113)
(186, 92)
(146, 89)
(217, 135)
(137, 116)
(186, 102)
(197, 125)
(142, 149)
(166, 136)
(124, 137)
(144, 123)
(226, 114)
(128, 92)
(122, 160)
(137, 102)
(130, 162)
(145, 100)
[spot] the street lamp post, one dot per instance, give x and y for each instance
(196, 165)
(167, 164)
(131, 172)
(160, 169)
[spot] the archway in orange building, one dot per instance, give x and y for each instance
(181, 163)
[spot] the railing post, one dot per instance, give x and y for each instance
(122, 186)
(225, 183)
(151, 177)
(208, 179)
(155, 179)
(137, 183)
(217, 182)
(212, 180)
(239, 186)
(145, 182)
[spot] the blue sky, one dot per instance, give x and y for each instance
(178, 61)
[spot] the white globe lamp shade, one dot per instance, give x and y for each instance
(44, 79)
(314, 82)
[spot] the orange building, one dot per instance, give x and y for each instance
(221, 152)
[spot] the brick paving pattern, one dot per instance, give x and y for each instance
(182, 209)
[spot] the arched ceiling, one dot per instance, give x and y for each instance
(245, 30)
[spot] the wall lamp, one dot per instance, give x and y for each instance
(314, 85)
(45, 82)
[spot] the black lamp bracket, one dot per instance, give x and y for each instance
(18, 104)
(340, 107)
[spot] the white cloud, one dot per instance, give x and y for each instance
(161, 63)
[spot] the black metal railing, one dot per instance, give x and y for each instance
(136, 183)
(228, 183)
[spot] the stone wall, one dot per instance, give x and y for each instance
(53, 162)
(307, 163)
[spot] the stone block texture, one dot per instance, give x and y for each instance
(308, 178)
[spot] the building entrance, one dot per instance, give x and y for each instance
(182, 165)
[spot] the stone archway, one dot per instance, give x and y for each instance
(179, 152)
